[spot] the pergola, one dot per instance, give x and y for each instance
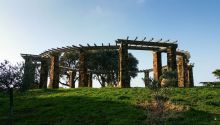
(177, 60)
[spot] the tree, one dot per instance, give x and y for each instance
(217, 73)
(105, 62)
(10, 75)
(69, 59)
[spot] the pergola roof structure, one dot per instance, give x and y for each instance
(122, 45)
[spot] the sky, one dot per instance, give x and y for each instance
(32, 26)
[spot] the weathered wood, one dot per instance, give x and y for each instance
(146, 78)
(29, 72)
(190, 76)
(90, 79)
(44, 73)
(182, 70)
(72, 75)
(54, 71)
(171, 58)
(83, 77)
(124, 80)
(148, 43)
(157, 65)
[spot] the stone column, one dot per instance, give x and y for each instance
(83, 77)
(29, 72)
(146, 78)
(71, 82)
(157, 65)
(124, 80)
(44, 73)
(190, 76)
(171, 58)
(182, 70)
(54, 71)
(90, 79)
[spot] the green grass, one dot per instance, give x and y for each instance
(107, 106)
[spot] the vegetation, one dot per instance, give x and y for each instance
(168, 78)
(217, 73)
(10, 75)
(113, 106)
(105, 62)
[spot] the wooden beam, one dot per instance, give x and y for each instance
(146, 43)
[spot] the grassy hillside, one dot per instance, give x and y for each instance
(111, 106)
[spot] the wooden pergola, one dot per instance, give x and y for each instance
(176, 61)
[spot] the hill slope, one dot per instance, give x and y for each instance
(110, 106)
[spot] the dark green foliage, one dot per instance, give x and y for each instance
(169, 78)
(217, 73)
(109, 106)
(103, 62)
(106, 61)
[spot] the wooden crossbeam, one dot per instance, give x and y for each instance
(146, 43)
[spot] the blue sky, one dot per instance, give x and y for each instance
(32, 26)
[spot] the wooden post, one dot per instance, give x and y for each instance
(124, 80)
(29, 72)
(44, 73)
(90, 79)
(190, 76)
(83, 77)
(72, 75)
(182, 70)
(157, 65)
(171, 58)
(146, 78)
(54, 71)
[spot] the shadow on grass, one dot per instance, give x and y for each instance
(74, 110)
(87, 110)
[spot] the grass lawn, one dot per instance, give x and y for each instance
(108, 106)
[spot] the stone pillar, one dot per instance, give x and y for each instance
(124, 80)
(146, 78)
(182, 70)
(29, 72)
(83, 77)
(171, 58)
(157, 65)
(54, 71)
(90, 79)
(44, 73)
(190, 76)
(71, 82)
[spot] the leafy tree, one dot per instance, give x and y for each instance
(217, 73)
(10, 75)
(68, 59)
(105, 62)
